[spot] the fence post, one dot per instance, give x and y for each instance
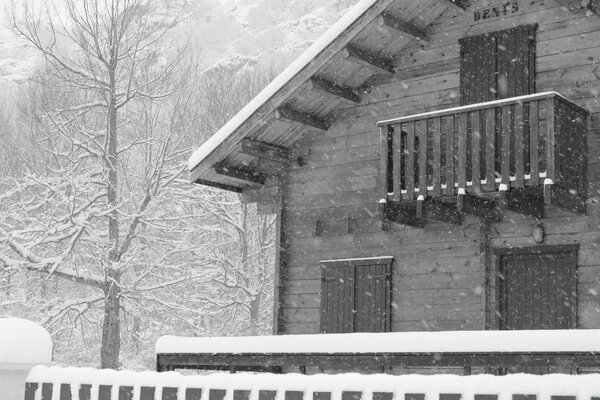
(23, 344)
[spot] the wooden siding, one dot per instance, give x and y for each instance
(443, 275)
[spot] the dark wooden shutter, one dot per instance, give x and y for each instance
(497, 65)
(372, 298)
(337, 299)
(538, 291)
(355, 296)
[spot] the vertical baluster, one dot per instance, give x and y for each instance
(450, 134)
(519, 145)
(534, 128)
(550, 140)
(383, 161)
(437, 156)
(398, 167)
(421, 131)
(490, 152)
(462, 150)
(476, 136)
(505, 150)
(409, 128)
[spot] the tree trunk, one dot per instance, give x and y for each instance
(111, 326)
(255, 314)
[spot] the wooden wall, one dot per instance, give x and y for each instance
(440, 273)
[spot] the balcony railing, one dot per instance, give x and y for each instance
(519, 142)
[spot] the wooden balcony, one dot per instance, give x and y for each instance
(521, 153)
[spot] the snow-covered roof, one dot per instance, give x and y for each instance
(24, 342)
(538, 341)
(301, 62)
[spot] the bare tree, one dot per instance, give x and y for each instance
(104, 61)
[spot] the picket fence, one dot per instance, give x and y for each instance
(54, 383)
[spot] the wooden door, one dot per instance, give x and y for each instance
(538, 291)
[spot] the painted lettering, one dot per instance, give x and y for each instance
(496, 11)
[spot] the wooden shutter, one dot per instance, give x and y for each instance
(538, 291)
(372, 298)
(355, 296)
(337, 299)
(497, 65)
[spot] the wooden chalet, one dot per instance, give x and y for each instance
(434, 165)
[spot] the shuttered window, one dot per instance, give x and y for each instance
(538, 289)
(497, 65)
(355, 295)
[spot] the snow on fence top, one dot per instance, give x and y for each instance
(24, 342)
(72, 382)
(301, 62)
(586, 340)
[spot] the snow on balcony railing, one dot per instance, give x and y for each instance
(86, 384)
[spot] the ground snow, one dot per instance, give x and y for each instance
(586, 340)
(24, 342)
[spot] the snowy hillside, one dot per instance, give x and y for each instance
(220, 29)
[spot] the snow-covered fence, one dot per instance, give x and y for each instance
(23, 344)
(55, 383)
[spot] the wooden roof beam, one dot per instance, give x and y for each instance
(267, 151)
(290, 115)
(377, 64)
(578, 5)
(331, 89)
(245, 173)
(391, 23)
(462, 5)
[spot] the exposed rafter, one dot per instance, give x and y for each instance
(246, 174)
(331, 89)
(377, 64)
(579, 5)
(218, 185)
(396, 25)
(459, 4)
(294, 116)
(266, 151)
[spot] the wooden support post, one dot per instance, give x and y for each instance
(377, 64)
(267, 151)
(245, 173)
(420, 209)
(396, 25)
(332, 89)
(548, 184)
(290, 115)
(460, 200)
